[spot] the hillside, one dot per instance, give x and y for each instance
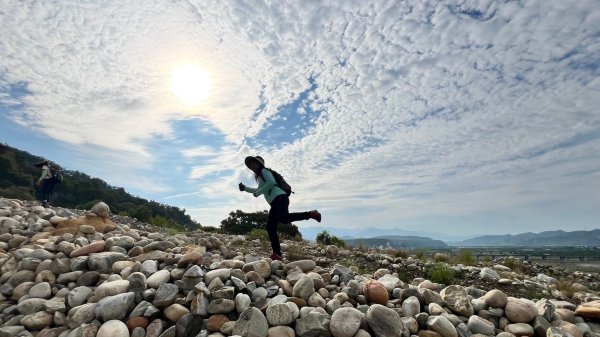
(79, 190)
(549, 238)
(397, 242)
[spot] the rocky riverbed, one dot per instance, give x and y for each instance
(71, 273)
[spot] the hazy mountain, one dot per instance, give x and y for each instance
(310, 233)
(549, 238)
(397, 242)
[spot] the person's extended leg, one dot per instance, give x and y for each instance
(287, 217)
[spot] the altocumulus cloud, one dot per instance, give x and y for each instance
(382, 113)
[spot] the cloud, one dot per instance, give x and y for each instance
(401, 110)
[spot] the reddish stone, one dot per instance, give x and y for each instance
(137, 322)
(215, 322)
(376, 292)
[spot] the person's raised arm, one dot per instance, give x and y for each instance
(269, 182)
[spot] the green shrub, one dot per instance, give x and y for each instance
(420, 254)
(465, 256)
(441, 273)
(259, 234)
(487, 259)
(325, 238)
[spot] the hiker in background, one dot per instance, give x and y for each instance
(47, 182)
(277, 198)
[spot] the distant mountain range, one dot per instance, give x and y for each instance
(559, 238)
(549, 238)
(398, 242)
(310, 233)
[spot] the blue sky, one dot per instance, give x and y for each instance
(454, 118)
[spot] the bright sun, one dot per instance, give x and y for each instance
(190, 83)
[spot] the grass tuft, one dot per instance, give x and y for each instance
(441, 273)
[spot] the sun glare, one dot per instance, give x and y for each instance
(190, 83)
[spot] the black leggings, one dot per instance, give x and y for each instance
(47, 189)
(279, 213)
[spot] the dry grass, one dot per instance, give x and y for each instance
(566, 287)
(296, 252)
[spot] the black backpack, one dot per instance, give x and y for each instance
(281, 183)
(56, 175)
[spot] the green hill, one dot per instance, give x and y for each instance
(79, 190)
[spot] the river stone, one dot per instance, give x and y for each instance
(222, 273)
(411, 307)
(457, 300)
(345, 322)
(281, 331)
(159, 245)
(481, 326)
(488, 274)
(220, 306)
(495, 298)
(165, 295)
(251, 323)
(520, 310)
(589, 310)
(102, 262)
(242, 302)
(137, 282)
(304, 287)
(193, 258)
(262, 267)
(441, 325)
(375, 292)
(40, 254)
(557, 332)
(10, 331)
(314, 324)
(175, 311)
(37, 321)
(40, 290)
(282, 314)
(94, 247)
(385, 322)
(520, 329)
(113, 328)
(149, 267)
(304, 265)
(189, 325)
(390, 282)
(111, 288)
(89, 278)
(115, 307)
(78, 296)
(31, 305)
(158, 278)
(101, 209)
(80, 315)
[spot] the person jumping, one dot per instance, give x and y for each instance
(277, 198)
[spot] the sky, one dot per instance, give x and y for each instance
(454, 118)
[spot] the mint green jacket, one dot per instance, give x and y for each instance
(267, 186)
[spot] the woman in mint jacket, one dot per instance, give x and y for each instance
(277, 198)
